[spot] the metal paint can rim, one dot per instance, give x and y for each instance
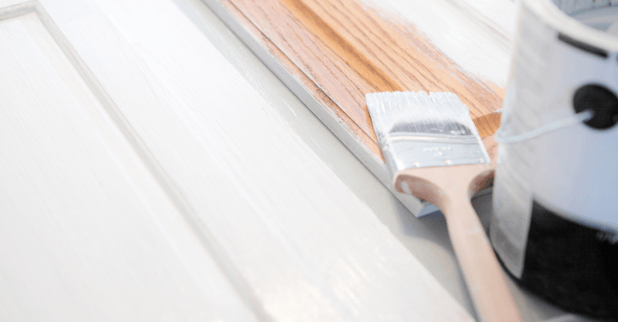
(564, 23)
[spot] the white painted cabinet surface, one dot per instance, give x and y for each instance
(152, 169)
(142, 178)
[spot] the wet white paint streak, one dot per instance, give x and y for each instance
(94, 226)
(475, 34)
(418, 130)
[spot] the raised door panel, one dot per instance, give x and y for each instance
(86, 232)
(160, 185)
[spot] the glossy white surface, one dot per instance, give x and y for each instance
(87, 234)
(138, 160)
(187, 222)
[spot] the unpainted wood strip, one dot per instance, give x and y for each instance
(400, 52)
(366, 148)
(333, 41)
(311, 87)
(487, 124)
(320, 62)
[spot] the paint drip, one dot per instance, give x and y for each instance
(555, 218)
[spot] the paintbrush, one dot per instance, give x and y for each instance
(434, 152)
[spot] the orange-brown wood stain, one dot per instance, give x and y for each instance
(341, 50)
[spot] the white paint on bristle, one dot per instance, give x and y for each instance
(417, 110)
(419, 130)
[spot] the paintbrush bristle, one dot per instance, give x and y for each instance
(420, 130)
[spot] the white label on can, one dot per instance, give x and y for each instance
(516, 161)
(565, 169)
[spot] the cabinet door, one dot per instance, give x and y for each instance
(86, 231)
(143, 179)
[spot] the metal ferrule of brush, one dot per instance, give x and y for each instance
(417, 150)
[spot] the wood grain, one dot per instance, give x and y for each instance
(348, 50)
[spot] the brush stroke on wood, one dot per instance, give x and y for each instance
(332, 52)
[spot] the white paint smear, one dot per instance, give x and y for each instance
(475, 36)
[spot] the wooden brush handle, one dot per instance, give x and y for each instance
(450, 188)
(486, 282)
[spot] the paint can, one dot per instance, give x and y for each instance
(555, 201)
